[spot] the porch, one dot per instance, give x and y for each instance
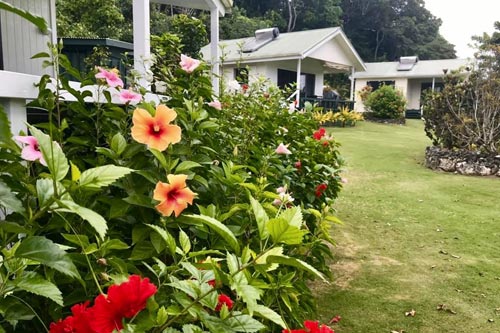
(328, 104)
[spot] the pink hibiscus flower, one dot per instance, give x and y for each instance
(31, 150)
(282, 150)
(130, 97)
(216, 105)
(111, 77)
(188, 64)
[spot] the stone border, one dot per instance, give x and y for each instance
(463, 162)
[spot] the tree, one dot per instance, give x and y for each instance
(466, 113)
(238, 25)
(74, 19)
(388, 29)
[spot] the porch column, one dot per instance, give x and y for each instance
(214, 49)
(351, 95)
(433, 83)
(16, 113)
(142, 52)
(297, 91)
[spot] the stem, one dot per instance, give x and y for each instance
(33, 310)
(86, 256)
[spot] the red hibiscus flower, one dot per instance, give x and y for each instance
(224, 299)
(319, 134)
(298, 164)
(77, 323)
(320, 189)
(311, 327)
(123, 301)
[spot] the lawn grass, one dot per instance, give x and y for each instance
(412, 238)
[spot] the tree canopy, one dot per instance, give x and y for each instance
(380, 30)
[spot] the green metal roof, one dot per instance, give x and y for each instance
(291, 45)
(422, 69)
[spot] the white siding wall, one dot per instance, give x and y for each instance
(21, 39)
(333, 50)
(400, 84)
(270, 71)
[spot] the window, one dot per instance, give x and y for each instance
(377, 84)
(307, 81)
(241, 75)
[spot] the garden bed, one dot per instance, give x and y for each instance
(462, 161)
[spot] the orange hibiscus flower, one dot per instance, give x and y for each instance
(174, 197)
(155, 132)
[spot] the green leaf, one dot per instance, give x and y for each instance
(184, 241)
(161, 316)
(267, 313)
(167, 237)
(75, 172)
(5, 134)
(112, 244)
(186, 165)
(219, 228)
(160, 157)
(282, 232)
(94, 219)
(46, 252)
(9, 200)
(261, 217)
(244, 323)
(293, 216)
(187, 286)
(294, 262)
(36, 20)
(52, 153)
(118, 144)
(36, 284)
(262, 260)
(105, 175)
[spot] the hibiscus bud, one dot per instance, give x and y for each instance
(102, 262)
(298, 164)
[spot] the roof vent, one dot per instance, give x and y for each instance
(262, 37)
(407, 63)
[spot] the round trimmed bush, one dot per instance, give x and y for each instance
(386, 102)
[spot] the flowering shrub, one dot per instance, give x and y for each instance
(179, 194)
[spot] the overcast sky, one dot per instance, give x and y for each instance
(463, 19)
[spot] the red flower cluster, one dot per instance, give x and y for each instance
(298, 164)
(224, 299)
(123, 301)
(320, 189)
(319, 134)
(311, 327)
(244, 87)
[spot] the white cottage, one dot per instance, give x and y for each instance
(302, 57)
(409, 75)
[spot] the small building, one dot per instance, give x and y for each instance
(119, 53)
(409, 75)
(301, 57)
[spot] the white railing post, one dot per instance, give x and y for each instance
(142, 52)
(16, 112)
(214, 49)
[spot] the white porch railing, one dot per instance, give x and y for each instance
(17, 89)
